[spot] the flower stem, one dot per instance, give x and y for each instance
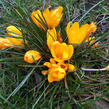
(86, 69)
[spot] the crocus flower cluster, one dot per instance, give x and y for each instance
(61, 53)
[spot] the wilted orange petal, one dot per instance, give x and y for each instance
(92, 28)
(45, 72)
(95, 45)
(92, 39)
(59, 37)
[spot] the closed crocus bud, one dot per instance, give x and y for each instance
(31, 56)
(13, 31)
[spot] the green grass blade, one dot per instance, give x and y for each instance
(90, 10)
(102, 20)
(33, 107)
(5, 100)
(21, 84)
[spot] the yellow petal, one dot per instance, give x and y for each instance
(71, 67)
(51, 37)
(56, 74)
(56, 51)
(32, 55)
(47, 64)
(52, 61)
(61, 74)
(5, 43)
(75, 28)
(68, 51)
(12, 30)
(68, 29)
(50, 79)
(53, 17)
(73, 33)
(83, 33)
(16, 42)
(36, 19)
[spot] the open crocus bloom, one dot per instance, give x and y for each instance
(5, 43)
(77, 35)
(57, 71)
(13, 31)
(61, 51)
(49, 18)
(56, 74)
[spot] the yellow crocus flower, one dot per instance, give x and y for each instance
(51, 18)
(31, 56)
(61, 51)
(53, 36)
(56, 74)
(13, 31)
(77, 35)
(57, 71)
(5, 43)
